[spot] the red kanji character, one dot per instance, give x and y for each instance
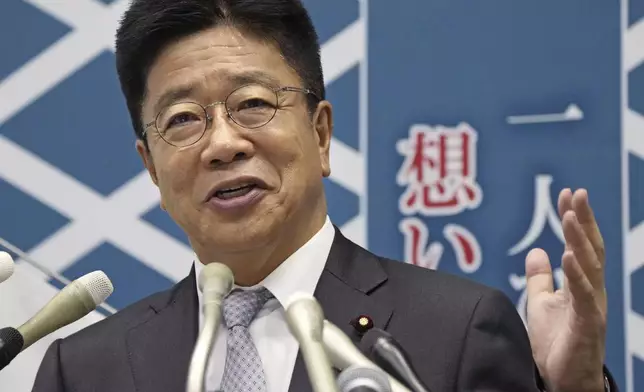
(417, 250)
(439, 170)
(420, 252)
(467, 249)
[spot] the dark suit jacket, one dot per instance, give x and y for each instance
(461, 336)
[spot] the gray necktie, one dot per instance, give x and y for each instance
(243, 371)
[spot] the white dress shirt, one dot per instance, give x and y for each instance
(276, 346)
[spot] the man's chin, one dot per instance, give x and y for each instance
(241, 236)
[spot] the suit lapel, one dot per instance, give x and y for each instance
(160, 346)
(352, 284)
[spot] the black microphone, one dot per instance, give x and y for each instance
(391, 357)
(11, 343)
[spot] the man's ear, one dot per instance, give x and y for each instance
(323, 127)
(145, 155)
(148, 162)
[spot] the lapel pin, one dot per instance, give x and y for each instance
(362, 324)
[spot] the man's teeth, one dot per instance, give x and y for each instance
(234, 192)
(234, 189)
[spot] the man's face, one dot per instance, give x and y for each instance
(279, 165)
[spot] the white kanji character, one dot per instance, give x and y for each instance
(439, 170)
(543, 212)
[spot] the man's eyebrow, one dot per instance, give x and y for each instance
(174, 94)
(234, 80)
(255, 76)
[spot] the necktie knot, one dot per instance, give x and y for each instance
(241, 306)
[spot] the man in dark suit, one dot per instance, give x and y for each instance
(227, 101)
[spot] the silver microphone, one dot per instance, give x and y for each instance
(72, 303)
(305, 320)
(363, 379)
(215, 282)
(49, 273)
(6, 266)
(343, 353)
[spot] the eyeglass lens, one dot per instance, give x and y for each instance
(185, 123)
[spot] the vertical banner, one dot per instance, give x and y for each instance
(480, 114)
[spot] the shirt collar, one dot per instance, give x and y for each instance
(300, 272)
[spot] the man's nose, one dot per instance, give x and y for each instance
(226, 141)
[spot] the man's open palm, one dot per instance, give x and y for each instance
(567, 327)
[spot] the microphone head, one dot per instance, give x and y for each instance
(371, 337)
(11, 342)
(361, 378)
(98, 285)
(6, 266)
(215, 281)
(73, 302)
(305, 317)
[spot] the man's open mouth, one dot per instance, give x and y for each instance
(238, 191)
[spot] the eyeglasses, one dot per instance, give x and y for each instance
(251, 106)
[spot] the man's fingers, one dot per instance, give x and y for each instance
(586, 218)
(564, 203)
(578, 285)
(583, 250)
(538, 273)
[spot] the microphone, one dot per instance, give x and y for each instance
(215, 282)
(47, 272)
(363, 379)
(305, 320)
(11, 342)
(343, 353)
(72, 303)
(6, 266)
(388, 353)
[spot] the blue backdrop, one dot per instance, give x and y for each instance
(457, 124)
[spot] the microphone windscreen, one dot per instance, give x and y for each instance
(215, 280)
(357, 377)
(370, 338)
(6, 266)
(98, 285)
(304, 316)
(11, 342)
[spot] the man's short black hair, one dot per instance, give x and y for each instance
(149, 26)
